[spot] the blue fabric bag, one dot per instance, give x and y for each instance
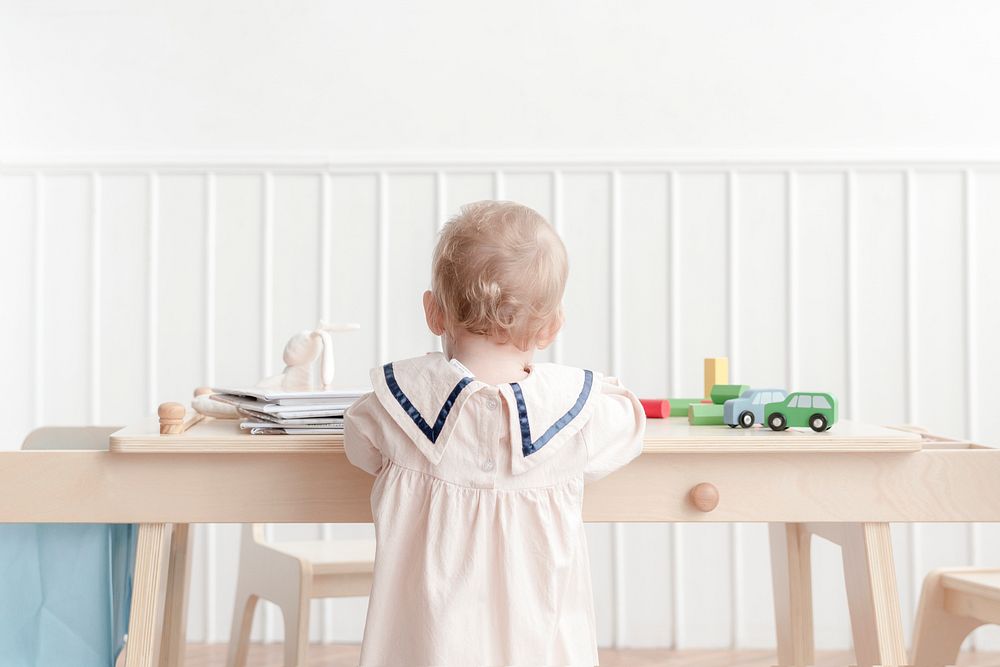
(65, 591)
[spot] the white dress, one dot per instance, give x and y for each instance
(482, 557)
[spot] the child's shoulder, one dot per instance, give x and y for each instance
(432, 400)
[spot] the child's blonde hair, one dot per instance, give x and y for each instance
(500, 270)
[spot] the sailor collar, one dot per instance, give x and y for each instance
(426, 395)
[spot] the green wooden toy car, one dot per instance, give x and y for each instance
(815, 410)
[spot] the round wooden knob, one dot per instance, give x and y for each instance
(705, 496)
(171, 413)
(201, 391)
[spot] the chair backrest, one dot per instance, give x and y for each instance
(69, 437)
(252, 535)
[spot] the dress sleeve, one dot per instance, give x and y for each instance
(614, 431)
(360, 434)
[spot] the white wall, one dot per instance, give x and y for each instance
(121, 76)
(128, 282)
(130, 285)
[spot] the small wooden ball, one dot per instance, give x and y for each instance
(705, 496)
(201, 391)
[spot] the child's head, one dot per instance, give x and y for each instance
(499, 271)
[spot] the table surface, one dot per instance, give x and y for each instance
(674, 435)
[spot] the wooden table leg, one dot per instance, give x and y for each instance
(175, 605)
(791, 577)
(870, 575)
(148, 582)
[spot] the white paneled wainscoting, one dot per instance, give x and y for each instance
(127, 283)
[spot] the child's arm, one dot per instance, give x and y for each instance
(360, 434)
(614, 432)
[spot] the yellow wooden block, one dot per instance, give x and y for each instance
(716, 372)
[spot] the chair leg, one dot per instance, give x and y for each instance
(239, 635)
(296, 615)
(792, 581)
(938, 634)
(870, 576)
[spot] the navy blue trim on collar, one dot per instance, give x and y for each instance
(527, 446)
(431, 433)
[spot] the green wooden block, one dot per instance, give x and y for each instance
(705, 414)
(679, 406)
(723, 392)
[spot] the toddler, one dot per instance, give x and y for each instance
(480, 457)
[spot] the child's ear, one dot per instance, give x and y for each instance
(433, 314)
(549, 333)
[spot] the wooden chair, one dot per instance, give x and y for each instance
(954, 602)
(69, 437)
(290, 574)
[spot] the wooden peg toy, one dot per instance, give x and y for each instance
(716, 372)
(174, 418)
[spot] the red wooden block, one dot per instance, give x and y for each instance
(656, 408)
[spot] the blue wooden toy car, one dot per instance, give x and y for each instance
(748, 409)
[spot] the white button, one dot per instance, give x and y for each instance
(488, 465)
(491, 404)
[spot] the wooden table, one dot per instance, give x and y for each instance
(844, 485)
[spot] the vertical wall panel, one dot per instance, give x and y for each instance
(831, 624)
(760, 300)
(352, 289)
(755, 603)
(412, 219)
(67, 294)
(879, 221)
(181, 283)
(586, 233)
(820, 283)
(238, 235)
(937, 222)
(700, 234)
(124, 237)
(17, 339)
(706, 586)
(296, 258)
(644, 212)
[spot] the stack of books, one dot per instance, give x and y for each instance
(277, 411)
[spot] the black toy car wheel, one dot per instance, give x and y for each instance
(777, 422)
(818, 423)
(732, 425)
(746, 419)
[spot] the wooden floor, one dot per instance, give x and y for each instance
(337, 655)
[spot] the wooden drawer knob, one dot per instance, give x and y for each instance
(705, 496)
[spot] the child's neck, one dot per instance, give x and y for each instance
(489, 361)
